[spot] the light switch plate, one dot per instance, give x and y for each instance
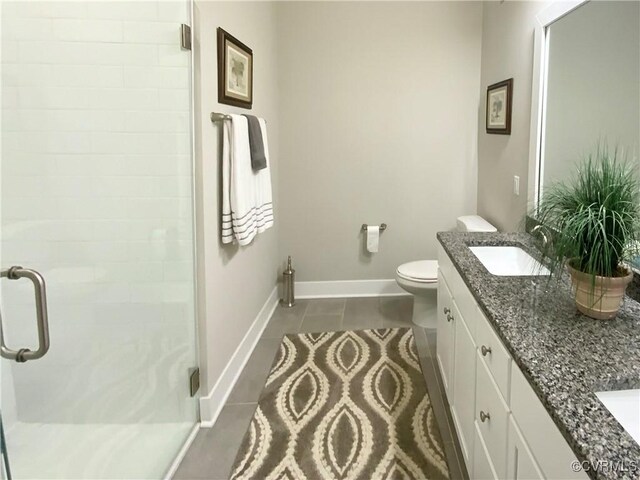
(516, 185)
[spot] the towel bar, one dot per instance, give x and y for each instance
(383, 227)
(218, 117)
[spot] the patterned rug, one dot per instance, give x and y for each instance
(344, 405)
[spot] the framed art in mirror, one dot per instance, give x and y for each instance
(235, 71)
(498, 115)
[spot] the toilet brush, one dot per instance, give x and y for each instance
(288, 277)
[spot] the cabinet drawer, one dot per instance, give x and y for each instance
(549, 448)
(494, 354)
(494, 426)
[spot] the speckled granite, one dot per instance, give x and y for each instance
(565, 356)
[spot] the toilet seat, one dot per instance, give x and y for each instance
(422, 271)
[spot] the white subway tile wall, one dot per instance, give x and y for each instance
(96, 192)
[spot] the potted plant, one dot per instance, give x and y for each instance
(595, 223)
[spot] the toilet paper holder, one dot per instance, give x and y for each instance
(383, 227)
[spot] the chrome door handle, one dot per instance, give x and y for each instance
(484, 350)
(484, 416)
(24, 354)
(447, 310)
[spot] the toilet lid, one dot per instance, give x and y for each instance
(420, 271)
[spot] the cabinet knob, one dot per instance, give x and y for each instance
(485, 350)
(449, 318)
(447, 310)
(484, 416)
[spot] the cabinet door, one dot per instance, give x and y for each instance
(520, 462)
(551, 451)
(482, 466)
(464, 384)
(445, 336)
(492, 417)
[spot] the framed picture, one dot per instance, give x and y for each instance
(235, 71)
(499, 97)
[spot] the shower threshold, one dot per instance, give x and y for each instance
(80, 451)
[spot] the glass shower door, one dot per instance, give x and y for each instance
(96, 196)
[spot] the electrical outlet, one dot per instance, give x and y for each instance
(516, 185)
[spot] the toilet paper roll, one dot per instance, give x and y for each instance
(373, 238)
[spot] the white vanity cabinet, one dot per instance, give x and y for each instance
(456, 352)
(504, 430)
(445, 338)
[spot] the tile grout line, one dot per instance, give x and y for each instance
(439, 391)
(450, 427)
(305, 309)
(445, 405)
(302, 317)
(452, 432)
(434, 366)
(445, 401)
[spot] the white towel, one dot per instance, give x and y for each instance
(247, 207)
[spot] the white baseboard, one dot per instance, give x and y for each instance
(183, 451)
(349, 288)
(211, 405)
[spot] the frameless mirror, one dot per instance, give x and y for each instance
(586, 88)
(592, 86)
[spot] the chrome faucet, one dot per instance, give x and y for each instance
(539, 229)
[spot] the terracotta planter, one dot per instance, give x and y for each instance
(603, 299)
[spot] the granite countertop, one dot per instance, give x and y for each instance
(565, 356)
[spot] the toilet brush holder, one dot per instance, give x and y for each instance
(288, 276)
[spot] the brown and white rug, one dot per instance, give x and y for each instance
(344, 405)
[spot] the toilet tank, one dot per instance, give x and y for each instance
(474, 223)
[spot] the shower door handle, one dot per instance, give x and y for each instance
(23, 354)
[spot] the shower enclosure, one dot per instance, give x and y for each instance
(96, 202)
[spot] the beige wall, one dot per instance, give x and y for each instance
(378, 112)
(233, 282)
(507, 51)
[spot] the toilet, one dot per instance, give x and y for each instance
(420, 278)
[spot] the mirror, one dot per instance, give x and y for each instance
(592, 89)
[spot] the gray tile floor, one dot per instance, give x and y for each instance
(214, 449)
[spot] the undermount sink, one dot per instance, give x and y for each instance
(508, 261)
(624, 405)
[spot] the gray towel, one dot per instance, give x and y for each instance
(256, 145)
